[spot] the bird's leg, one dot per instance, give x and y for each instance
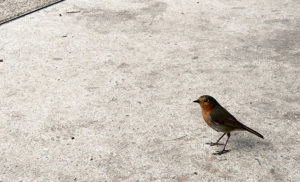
(223, 151)
(217, 143)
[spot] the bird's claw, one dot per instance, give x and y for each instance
(221, 152)
(213, 144)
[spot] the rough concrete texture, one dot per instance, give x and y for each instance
(105, 91)
(10, 9)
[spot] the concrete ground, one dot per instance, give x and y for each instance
(103, 91)
(11, 9)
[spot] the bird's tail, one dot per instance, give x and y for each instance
(252, 131)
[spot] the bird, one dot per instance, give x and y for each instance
(219, 119)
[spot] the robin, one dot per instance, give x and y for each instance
(220, 120)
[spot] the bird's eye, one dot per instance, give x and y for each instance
(206, 100)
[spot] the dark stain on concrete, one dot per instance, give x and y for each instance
(282, 21)
(107, 20)
(123, 65)
(284, 42)
(110, 15)
(154, 9)
(238, 8)
(292, 116)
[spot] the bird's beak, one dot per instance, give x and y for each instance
(196, 101)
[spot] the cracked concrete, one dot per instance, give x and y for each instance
(103, 91)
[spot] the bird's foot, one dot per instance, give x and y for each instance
(213, 144)
(221, 152)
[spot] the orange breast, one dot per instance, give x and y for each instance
(205, 116)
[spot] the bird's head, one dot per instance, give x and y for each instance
(207, 102)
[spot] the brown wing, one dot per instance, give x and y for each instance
(223, 117)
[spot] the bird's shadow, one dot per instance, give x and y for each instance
(244, 142)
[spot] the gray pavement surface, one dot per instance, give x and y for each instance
(103, 90)
(11, 9)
